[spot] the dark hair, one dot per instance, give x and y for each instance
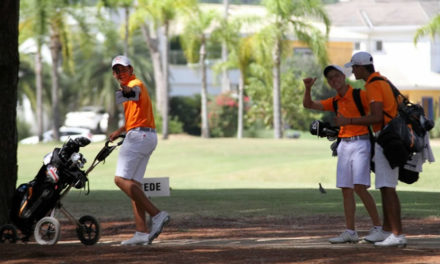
(369, 68)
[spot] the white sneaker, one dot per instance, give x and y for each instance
(345, 237)
(158, 222)
(137, 239)
(392, 241)
(376, 235)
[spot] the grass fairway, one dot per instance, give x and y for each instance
(234, 178)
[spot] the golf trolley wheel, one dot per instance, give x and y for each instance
(88, 230)
(8, 234)
(47, 231)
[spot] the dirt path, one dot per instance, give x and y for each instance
(234, 241)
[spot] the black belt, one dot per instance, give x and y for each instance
(361, 137)
(145, 129)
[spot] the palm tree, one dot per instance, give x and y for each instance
(154, 19)
(46, 22)
(240, 56)
(226, 86)
(287, 18)
(93, 75)
(55, 15)
(34, 26)
(196, 37)
(112, 6)
(432, 28)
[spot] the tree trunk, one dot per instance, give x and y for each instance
(240, 106)
(9, 61)
(127, 19)
(226, 84)
(278, 132)
(165, 95)
(204, 93)
(152, 44)
(39, 92)
(55, 50)
(113, 118)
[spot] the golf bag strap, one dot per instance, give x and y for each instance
(358, 102)
(396, 92)
(335, 105)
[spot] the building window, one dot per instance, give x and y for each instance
(357, 45)
(302, 51)
(379, 45)
(428, 106)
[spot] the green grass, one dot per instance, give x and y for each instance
(245, 203)
(234, 178)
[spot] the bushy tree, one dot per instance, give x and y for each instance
(287, 19)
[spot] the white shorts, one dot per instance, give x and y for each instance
(353, 163)
(135, 153)
(385, 176)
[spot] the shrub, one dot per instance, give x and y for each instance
(23, 129)
(174, 125)
(435, 132)
(186, 109)
(223, 111)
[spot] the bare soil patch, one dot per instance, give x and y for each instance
(220, 240)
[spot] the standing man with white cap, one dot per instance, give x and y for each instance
(353, 168)
(134, 154)
(383, 107)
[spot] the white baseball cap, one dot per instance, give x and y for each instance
(360, 58)
(333, 67)
(122, 60)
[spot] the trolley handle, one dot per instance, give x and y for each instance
(121, 140)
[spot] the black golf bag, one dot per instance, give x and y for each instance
(61, 169)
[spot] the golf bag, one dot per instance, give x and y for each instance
(61, 169)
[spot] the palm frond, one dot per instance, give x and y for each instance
(432, 28)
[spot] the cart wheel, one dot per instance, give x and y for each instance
(8, 234)
(47, 231)
(89, 230)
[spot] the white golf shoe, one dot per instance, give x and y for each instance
(137, 239)
(345, 237)
(376, 235)
(392, 241)
(158, 222)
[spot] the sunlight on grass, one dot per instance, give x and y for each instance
(233, 178)
(195, 163)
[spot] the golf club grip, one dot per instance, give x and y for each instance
(119, 143)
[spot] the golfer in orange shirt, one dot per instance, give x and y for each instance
(353, 168)
(383, 107)
(134, 154)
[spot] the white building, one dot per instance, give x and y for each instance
(386, 29)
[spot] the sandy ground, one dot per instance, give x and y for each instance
(301, 240)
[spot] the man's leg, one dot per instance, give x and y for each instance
(139, 218)
(133, 190)
(349, 207)
(349, 235)
(369, 203)
(391, 206)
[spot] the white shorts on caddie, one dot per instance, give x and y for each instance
(353, 163)
(135, 153)
(385, 176)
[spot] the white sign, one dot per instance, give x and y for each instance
(154, 187)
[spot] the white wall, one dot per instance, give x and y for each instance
(186, 81)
